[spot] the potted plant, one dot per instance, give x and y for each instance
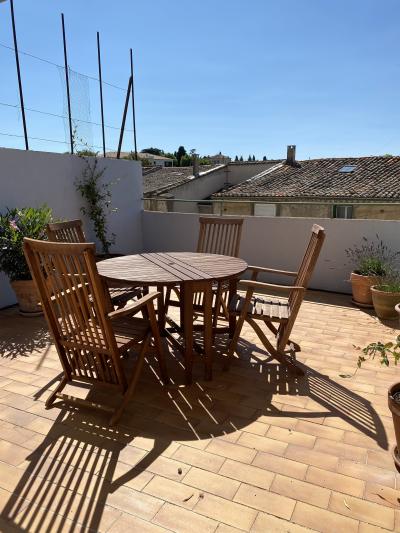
(16, 224)
(386, 295)
(370, 262)
(386, 351)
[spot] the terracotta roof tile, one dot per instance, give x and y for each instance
(376, 177)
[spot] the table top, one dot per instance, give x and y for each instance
(170, 268)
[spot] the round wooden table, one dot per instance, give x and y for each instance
(192, 272)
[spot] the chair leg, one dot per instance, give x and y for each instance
(208, 331)
(132, 382)
(158, 345)
(58, 389)
(276, 353)
(234, 341)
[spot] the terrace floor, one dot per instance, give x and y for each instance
(253, 450)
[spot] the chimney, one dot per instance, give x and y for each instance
(291, 155)
(196, 168)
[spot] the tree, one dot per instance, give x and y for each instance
(236, 158)
(179, 154)
(241, 158)
(265, 158)
(249, 158)
(154, 151)
(254, 157)
(185, 161)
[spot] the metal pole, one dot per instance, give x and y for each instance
(101, 95)
(67, 82)
(133, 106)
(21, 96)
(121, 135)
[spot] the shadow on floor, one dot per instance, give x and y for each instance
(81, 464)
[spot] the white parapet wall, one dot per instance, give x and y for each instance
(31, 179)
(278, 242)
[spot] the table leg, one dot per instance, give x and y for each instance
(161, 310)
(233, 283)
(187, 292)
(208, 330)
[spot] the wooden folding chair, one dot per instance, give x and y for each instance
(89, 335)
(217, 235)
(72, 231)
(272, 310)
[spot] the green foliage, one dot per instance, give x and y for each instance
(385, 351)
(179, 154)
(204, 161)
(186, 161)
(241, 158)
(253, 158)
(16, 224)
(236, 158)
(98, 201)
(265, 158)
(86, 153)
(154, 151)
(390, 281)
(249, 158)
(371, 258)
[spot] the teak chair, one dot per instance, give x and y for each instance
(217, 235)
(271, 311)
(72, 231)
(89, 335)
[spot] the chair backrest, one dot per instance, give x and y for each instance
(308, 263)
(69, 231)
(75, 305)
(219, 235)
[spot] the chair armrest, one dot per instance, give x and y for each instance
(134, 307)
(272, 271)
(250, 284)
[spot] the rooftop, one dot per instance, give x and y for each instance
(161, 179)
(365, 178)
(253, 450)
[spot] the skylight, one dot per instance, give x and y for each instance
(348, 168)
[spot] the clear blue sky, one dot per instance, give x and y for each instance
(216, 75)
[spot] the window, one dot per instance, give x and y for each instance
(348, 168)
(265, 210)
(342, 211)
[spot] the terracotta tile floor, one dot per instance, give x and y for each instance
(254, 450)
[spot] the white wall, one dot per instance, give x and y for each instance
(277, 242)
(31, 179)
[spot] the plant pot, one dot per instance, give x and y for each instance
(394, 407)
(27, 297)
(385, 302)
(397, 307)
(361, 288)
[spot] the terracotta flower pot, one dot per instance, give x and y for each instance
(385, 302)
(397, 307)
(394, 406)
(27, 297)
(361, 288)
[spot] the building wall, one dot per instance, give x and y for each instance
(380, 212)
(305, 210)
(31, 179)
(277, 242)
(383, 212)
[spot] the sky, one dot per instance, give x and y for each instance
(219, 76)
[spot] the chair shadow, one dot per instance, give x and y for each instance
(81, 462)
(21, 336)
(336, 399)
